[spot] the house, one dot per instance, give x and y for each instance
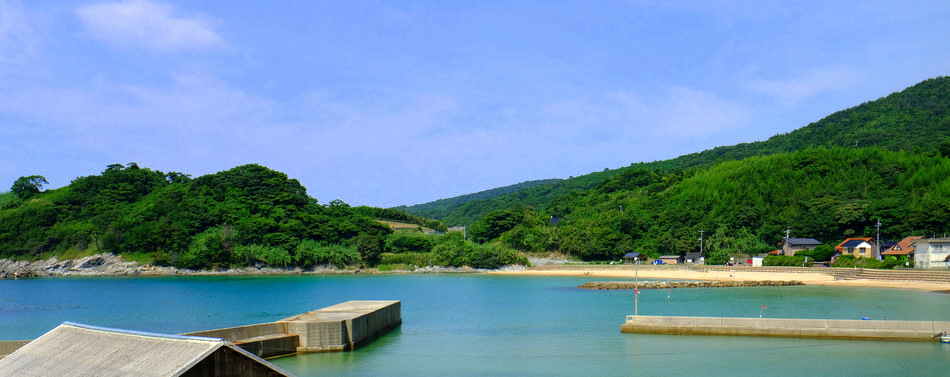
(931, 252)
(694, 258)
(860, 247)
(792, 245)
(903, 250)
(669, 259)
(632, 257)
(73, 349)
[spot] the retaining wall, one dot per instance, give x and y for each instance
(787, 327)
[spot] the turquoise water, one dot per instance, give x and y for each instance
(498, 325)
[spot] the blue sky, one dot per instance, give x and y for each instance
(401, 102)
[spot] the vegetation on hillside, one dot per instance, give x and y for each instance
(246, 216)
(743, 206)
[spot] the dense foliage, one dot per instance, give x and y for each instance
(916, 119)
(249, 215)
(744, 206)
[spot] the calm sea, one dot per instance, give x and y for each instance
(499, 325)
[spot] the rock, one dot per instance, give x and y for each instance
(689, 284)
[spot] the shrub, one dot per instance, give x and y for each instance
(274, 256)
(409, 259)
(312, 253)
(786, 260)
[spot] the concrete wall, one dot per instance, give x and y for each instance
(320, 336)
(243, 332)
(369, 326)
(787, 327)
(344, 326)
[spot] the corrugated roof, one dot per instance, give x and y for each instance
(73, 349)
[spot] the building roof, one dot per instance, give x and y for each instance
(852, 242)
(904, 247)
(631, 255)
(803, 241)
(670, 257)
(73, 349)
(694, 255)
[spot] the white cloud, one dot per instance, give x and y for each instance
(147, 24)
(792, 90)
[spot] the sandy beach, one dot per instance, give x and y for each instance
(816, 278)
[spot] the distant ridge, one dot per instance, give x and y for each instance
(435, 206)
(917, 118)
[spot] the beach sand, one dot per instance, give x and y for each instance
(807, 278)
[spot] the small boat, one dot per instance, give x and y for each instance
(944, 338)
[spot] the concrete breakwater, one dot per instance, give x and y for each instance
(788, 327)
(607, 285)
(340, 327)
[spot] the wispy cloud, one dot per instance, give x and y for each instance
(792, 90)
(152, 25)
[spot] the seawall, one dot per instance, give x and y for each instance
(787, 327)
(340, 327)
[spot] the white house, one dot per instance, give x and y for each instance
(931, 252)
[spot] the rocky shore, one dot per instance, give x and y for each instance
(107, 264)
(607, 285)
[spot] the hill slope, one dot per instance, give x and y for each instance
(743, 206)
(917, 118)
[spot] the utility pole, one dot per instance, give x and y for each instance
(878, 225)
(788, 232)
(700, 241)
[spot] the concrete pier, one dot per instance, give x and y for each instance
(787, 327)
(340, 327)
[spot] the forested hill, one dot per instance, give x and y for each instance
(433, 207)
(917, 118)
(243, 216)
(743, 206)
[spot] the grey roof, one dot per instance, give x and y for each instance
(631, 255)
(693, 255)
(73, 349)
(803, 241)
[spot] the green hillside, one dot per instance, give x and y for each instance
(246, 216)
(917, 118)
(743, 206)
(430, 209)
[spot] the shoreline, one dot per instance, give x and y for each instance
(106, 264)
(740, 274)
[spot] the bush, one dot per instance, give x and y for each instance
(312, 253)
(274, 256)
(844, 261)
(786, 260)
(819, 253)
(408, 242)
(492, 256)
(409, 259)
(851, 261)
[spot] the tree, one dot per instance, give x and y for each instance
(25, 187)
(945, 147)
(370, 248)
